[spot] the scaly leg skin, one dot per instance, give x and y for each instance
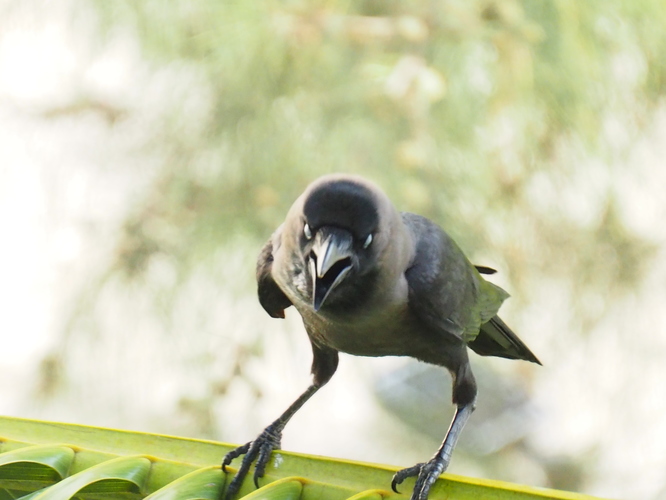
(428, 472)
(261, 448)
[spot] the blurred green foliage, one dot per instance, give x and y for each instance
(509, 122)
(459, 109)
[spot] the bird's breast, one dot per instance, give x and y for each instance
(387, 331)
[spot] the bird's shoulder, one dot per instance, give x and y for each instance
(271, 296)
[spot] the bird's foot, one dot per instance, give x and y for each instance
(426, 474)
(257, 451)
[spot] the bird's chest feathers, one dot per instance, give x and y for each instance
(383, 328)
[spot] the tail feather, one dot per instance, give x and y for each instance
(497, 339)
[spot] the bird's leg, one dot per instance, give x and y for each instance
(464, 397)
(324, 364)
(428, 472)
(260, 449)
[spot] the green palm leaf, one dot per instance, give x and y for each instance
(202, 484)
(49, 461)
(35, 466)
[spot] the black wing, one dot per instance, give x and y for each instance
(447, 292)
(441, 291)
(271, 296)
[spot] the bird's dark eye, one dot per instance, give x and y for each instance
(367, 241)
(307, 232)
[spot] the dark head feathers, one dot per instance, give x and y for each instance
(342, 203)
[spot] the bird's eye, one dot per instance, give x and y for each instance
(307, 232)
(367, 241)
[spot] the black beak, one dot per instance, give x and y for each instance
(330, 261)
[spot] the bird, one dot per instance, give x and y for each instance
(369, 280)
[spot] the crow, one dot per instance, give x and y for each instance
(370, 281)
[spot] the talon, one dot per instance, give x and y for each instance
(403, 474)
(257, 452)
(227, 460)
(264, 456)
(260, 465)
(233, 454)
(427, 473)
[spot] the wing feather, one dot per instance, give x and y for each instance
(451, 297)
(271, 296)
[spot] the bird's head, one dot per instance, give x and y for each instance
(338, 240)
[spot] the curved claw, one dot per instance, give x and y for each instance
(258, 450)
(403, 474)
(427, 473)
(262, 460)
(229, 457)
